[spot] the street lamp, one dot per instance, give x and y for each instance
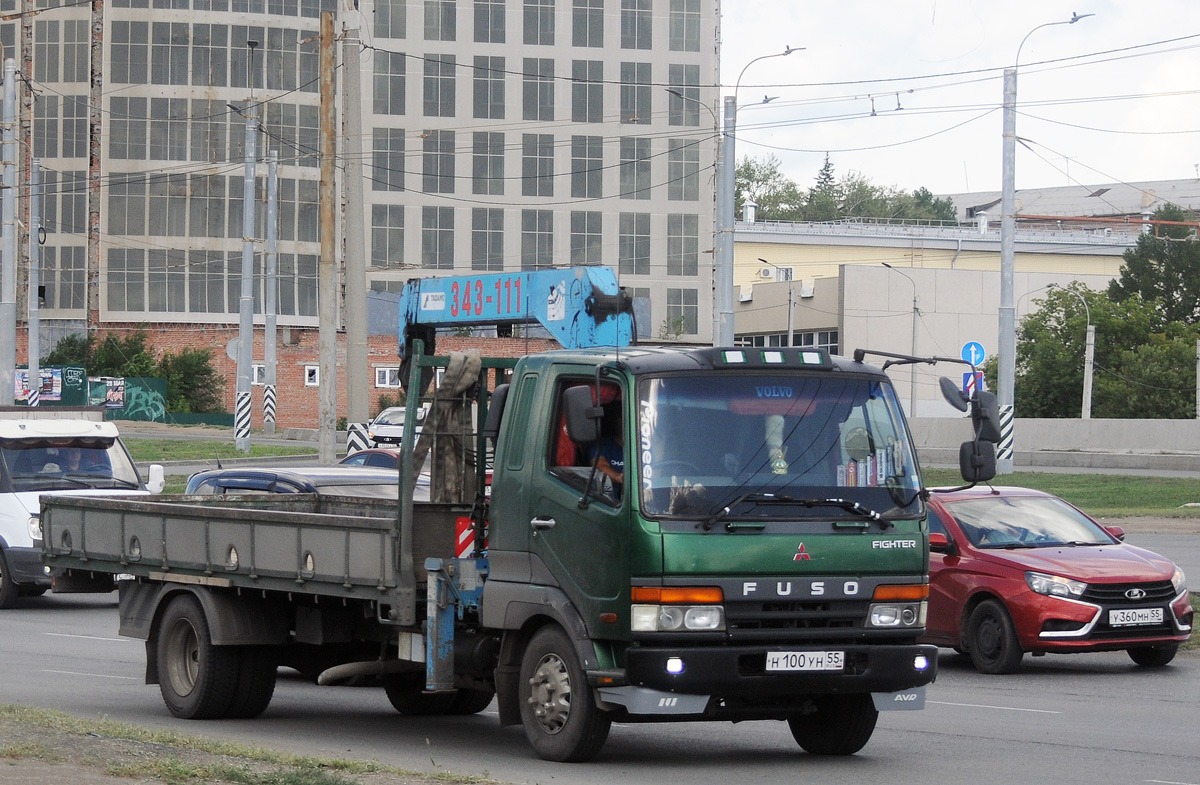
(791, 298)
(723, 264)
(1089, 353)
(1006, 355)
(912, 395)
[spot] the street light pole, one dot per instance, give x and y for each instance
(1089, 355)
(912, 394)
(1006, 355)
(723, 272)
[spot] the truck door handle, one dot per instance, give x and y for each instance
(542, 524)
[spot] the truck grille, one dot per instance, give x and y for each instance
(1114, 594)
(794, 620)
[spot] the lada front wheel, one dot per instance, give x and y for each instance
(992, 639)
(841, 725)
(558, 712)
(1153, 656)
(197, 679)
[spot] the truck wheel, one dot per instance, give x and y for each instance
(471, 701)
(8, 587)
(197, 679)
(558, 712)
(1153, 656)
(256, 672)
(992, 639)
(841, 725)
(407, 695)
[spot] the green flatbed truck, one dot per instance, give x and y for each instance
(672, 534)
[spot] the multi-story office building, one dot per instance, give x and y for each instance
(498, 135)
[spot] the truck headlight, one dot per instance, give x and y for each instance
(1178, 580)
(896, 615)
(673, 618)
(1054, 585)
(35, 527)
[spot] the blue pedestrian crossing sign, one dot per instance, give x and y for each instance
(972, 382)
(973, 352)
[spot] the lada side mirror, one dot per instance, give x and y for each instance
(583, 415)
(1116, 531)
(940, 543)
(977, 461)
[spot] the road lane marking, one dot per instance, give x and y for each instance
(97, 675)
(1170, 782)
(85, 637)
(998, 708)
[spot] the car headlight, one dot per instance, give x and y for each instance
(35, 528)
(896, 615)
(1054, 585)
(673, 618)
(1178, 580)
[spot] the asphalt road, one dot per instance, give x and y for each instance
(1071, 719)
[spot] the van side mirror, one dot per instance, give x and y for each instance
(985, 414)
(977, 461)
(583, 414)
(156, 478)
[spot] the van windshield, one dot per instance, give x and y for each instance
(66, 464)
(739, 441)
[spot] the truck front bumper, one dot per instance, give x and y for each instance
(739, 672)
(26, 566)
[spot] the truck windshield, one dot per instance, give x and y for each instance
(744, 445)
(66, 464)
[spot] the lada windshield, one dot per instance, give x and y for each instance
(771, 445)
(66, 464)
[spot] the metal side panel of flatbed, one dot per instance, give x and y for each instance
(302, 543)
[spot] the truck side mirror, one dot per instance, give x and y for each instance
(953, 395)
(583, 415)
(985, 413)
(155, 478)
(491, 426)
(977, 461)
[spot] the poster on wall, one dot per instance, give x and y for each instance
(106, 391)
(51, 389)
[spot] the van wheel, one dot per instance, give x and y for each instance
(841, 725)
(1153, 656)
(559, 714)
(8, 587)
(258, 667)
(198, 680)
(992, 639)
(406, 691)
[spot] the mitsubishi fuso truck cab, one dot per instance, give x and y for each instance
(59, 456)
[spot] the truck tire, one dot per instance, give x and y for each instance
(8, 587)
(558, 712)
(1153, 656)
(992, 639)
(841, 725)
(471, 701)
(407, 695)
(256, 674)
(198, 680)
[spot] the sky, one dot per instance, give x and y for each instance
(1103, 117)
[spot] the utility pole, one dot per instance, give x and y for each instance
(723, 277)
(8, 238)
(95, 126)
(357, 390)
(327, 269)
(34, 324)
(241, 411)
(25, 134)
(271, 293)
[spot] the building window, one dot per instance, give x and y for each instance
(46, 132)
(241, 62)
(489, 21)
(683, 171)
(635, 24)
(634, 243)
(206, 281)
(64, 276)
(387, 377)
(441, 17)
(585, 237)
(207, 210)
(537, 89)
(312, 376)
(438, 156)
(169, 53)
(487, 163)
(437, 237)
(489, 87)
(539, 22)
(645, 320)
(683, 108)
(635, 167)
(537, 239)
(209, 129)
(167, 279)
(169, 131)
(635, 93)
(387, 160)
(210, 55)
(587, 91)
(487, 239)
(75, 127)
(683, 244)
(587, 23)
(537, 165)
(46, 51)
(72, 214)
(76, 58)
(387, 235)
(126, 279)
(127, 127)
(587, 166)
(388, 86)
(130, 53)
(280, 58)
(390, 19)
(258, 374)
(439, 85)
(127, 204)
(683, 311)
(684, 26)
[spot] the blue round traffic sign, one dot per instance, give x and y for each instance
(973, 352)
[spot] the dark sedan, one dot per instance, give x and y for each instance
(330, 480)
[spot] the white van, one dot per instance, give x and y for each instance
(60, 456)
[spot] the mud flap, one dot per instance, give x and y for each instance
(904, 700)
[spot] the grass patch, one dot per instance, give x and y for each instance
(1194, 641)
(150, 450)
(26, 750)
(1101, 495)
(177, 772)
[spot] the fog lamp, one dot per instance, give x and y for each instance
(674, 666)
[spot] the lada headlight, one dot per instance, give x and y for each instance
(1178, 580)
(1054, 585)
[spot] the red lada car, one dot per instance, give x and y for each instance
(1015, 570)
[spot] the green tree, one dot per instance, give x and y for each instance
(778, 198)
(70, 350)
(1164, 269)
(192, 382)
